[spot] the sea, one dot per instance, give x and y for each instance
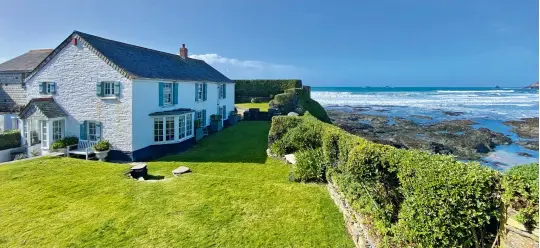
(488, 107)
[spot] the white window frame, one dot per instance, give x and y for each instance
(48, 86)
(167, 93)
(44, 132)
(108, 86)
(200, 92)
(176, 128)
(58, 129)
(96, 133)
(182, 126)
(172, 128)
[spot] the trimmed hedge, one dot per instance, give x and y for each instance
(520, 185)
(408, 197)
(264, 87)
(10, 139)
(299, 101)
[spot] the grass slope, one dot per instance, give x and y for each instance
(235, 197)
(263, 106)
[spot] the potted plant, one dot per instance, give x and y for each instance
(62, 144)
(216, 124)
(233, 118)
(102, 149)
(59, 146)
(199, 134)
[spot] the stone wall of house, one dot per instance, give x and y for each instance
(12, 91)
(76, 70)
(353, 221)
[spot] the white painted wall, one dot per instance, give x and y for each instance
(76, 70)
(146, 101)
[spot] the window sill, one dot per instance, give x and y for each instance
(109, 97)
(172, 141)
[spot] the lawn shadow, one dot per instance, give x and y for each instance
(245, 142)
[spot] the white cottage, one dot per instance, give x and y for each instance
(143, 101)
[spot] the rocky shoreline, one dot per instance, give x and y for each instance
(456, 137)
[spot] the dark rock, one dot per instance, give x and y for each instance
(422, 117)
(452, 113)
(481, 148)
(529, 144)
(524, 154)
(525, 128)
(439, 148)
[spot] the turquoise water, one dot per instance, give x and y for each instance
(489, 107)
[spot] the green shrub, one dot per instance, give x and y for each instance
(215, 117)
(102, 145)
(264, 88)
(306, 135)
(446, 203)
(408, 197)
(10, 139)
(65, 142)
(197, 123)
(520, 185)
(298, 100)
(280, 125)
(71, 140)
(309, 167)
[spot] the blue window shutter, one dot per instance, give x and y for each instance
(196, 92)
(204, 118)
(205, 87)
(117, 88)
(83, 133)
(100, 128)
(175, 93)
(224, 112)
(42, 88)
(224, 91)
(160, 94)
(99, 89)
(53, 88)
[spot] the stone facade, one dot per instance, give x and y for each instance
(12, 91)
(76, 70)
(353, 221)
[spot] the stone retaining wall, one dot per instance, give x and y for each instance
(353, 221)
(516, 235)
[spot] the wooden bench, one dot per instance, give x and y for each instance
(84, 147)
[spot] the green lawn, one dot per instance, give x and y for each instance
(263, 106)
(235, 197)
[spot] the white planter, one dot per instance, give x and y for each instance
(101, 155)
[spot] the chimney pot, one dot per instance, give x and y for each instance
(183, 51)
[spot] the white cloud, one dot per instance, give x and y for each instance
(249, 69)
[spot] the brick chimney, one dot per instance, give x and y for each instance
(183, 51)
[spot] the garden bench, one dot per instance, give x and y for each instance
(84, 147)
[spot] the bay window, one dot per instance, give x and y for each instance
(165, 128)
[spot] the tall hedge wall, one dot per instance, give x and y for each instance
(298, 100)
(410, 198)
(264, 87)
(10, 139)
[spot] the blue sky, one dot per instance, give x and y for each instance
(325, 43)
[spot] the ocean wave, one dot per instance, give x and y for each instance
(475, 91)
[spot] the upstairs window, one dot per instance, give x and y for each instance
(47, 88)
(201, 92)
(167, 93)
(108, 89)
(222, 91)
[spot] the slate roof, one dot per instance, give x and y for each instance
(26, 62)
(177, 111)
(137, 62)
(47, 106)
